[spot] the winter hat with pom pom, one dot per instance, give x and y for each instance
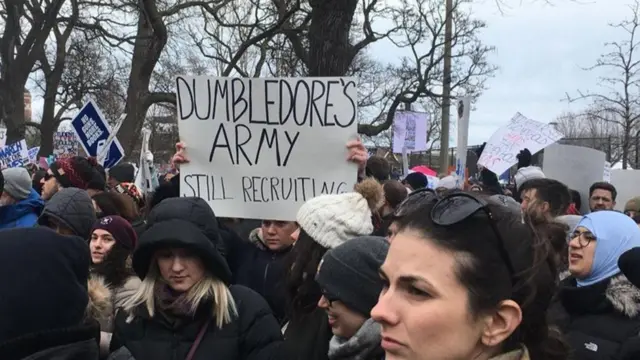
(331, 220)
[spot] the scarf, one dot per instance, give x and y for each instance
(172, 302)
(364, 345)
(518, 354)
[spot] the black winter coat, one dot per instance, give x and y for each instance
(254, 335)
(601, 321)
(260, 269)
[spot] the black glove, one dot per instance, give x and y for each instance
(524, 158)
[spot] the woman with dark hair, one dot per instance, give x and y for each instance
(112, 203)
(326, 222)
(466, 279)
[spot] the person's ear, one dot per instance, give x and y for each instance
(502, 323)
(546, 207)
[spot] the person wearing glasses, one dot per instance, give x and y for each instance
(348, 277)
(466, 279)
(598, 308)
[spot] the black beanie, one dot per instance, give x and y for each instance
(350, 272)
(44, 286)
(123, 172)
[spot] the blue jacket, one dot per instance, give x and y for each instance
(23, 213)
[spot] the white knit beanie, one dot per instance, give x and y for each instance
(527, 173)
(331, 220)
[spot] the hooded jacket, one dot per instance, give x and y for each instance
(24, 213)
(52, 310)
(600, 321)
(73, 208)
(253, 334)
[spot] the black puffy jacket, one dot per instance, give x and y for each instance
(600, 321)
(254, 335)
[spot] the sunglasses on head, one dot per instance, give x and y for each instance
(457, 207)
(413, 201)
(47, 176)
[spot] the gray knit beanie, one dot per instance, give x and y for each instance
(349, 272)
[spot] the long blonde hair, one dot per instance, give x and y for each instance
(223, 305)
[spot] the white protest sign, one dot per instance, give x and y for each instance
(14, 155)
(576, 166)
(464, 109)
(410, 131)
(606, 175)
(626, 183)
(33, 154)
(143, 177)
(500, 152)
(3, 137)
(259, 148)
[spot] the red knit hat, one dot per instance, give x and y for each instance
(121, 230)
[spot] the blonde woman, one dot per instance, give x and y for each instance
(185, 308)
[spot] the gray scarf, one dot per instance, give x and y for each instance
(364, 345)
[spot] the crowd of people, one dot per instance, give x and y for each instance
(95, 269)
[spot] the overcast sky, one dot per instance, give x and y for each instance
(541, 50)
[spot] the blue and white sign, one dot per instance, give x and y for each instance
(93, 130)
(33, 154)
(14, 155)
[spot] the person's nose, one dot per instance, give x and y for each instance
(323, 303)
(178, 264)
(384, 312)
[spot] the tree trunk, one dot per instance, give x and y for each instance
(147, 50)
(48, 125)
(13, 108)
(330, 49)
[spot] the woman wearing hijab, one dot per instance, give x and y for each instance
(600, 308)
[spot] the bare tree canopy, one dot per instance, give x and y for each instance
(618, 101)
(125, 54)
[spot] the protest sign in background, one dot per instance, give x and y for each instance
(93, 130)
(410, 131)
(520, 133)
(626, 183)
(576, 166)
(464, 109)
(14, 155)
(259, 148)
(65, 144)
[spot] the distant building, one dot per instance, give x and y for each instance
(27, 105)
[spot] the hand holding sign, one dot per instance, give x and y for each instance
(180, 157)
(357, 154)
(505, 144)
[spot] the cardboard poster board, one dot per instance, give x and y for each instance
(259, 147)
(626, 183)
(576, 166)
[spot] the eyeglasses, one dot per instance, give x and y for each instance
(330, 297)
(457, 207)
(47, 176)
(413, 201)
(584, 237)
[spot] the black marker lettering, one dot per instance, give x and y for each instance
(292, 142)
(238, 99)
(268, 102)
(195, 96)
(301, 86)
(354, 107)
(187, 181)
(285, 118)
(316, 84)
(329, 103)
(246, 186)
(181, 92)
(239, 144)
(271, 143)
(221, 91)
(274, 186)
(215, 145)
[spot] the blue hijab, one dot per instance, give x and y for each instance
(615, 233)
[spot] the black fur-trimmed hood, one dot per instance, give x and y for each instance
(615, 294)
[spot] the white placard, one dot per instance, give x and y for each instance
(259, 148)
(626, 184)
(521, 133)
(3, 137)
(576, 166)
(606, 175)
(464, 108)
(410, 131)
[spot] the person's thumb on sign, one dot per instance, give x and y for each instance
(357, 153)
(180, 156)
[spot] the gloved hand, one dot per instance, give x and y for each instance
(148, 156)
(524, 158)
